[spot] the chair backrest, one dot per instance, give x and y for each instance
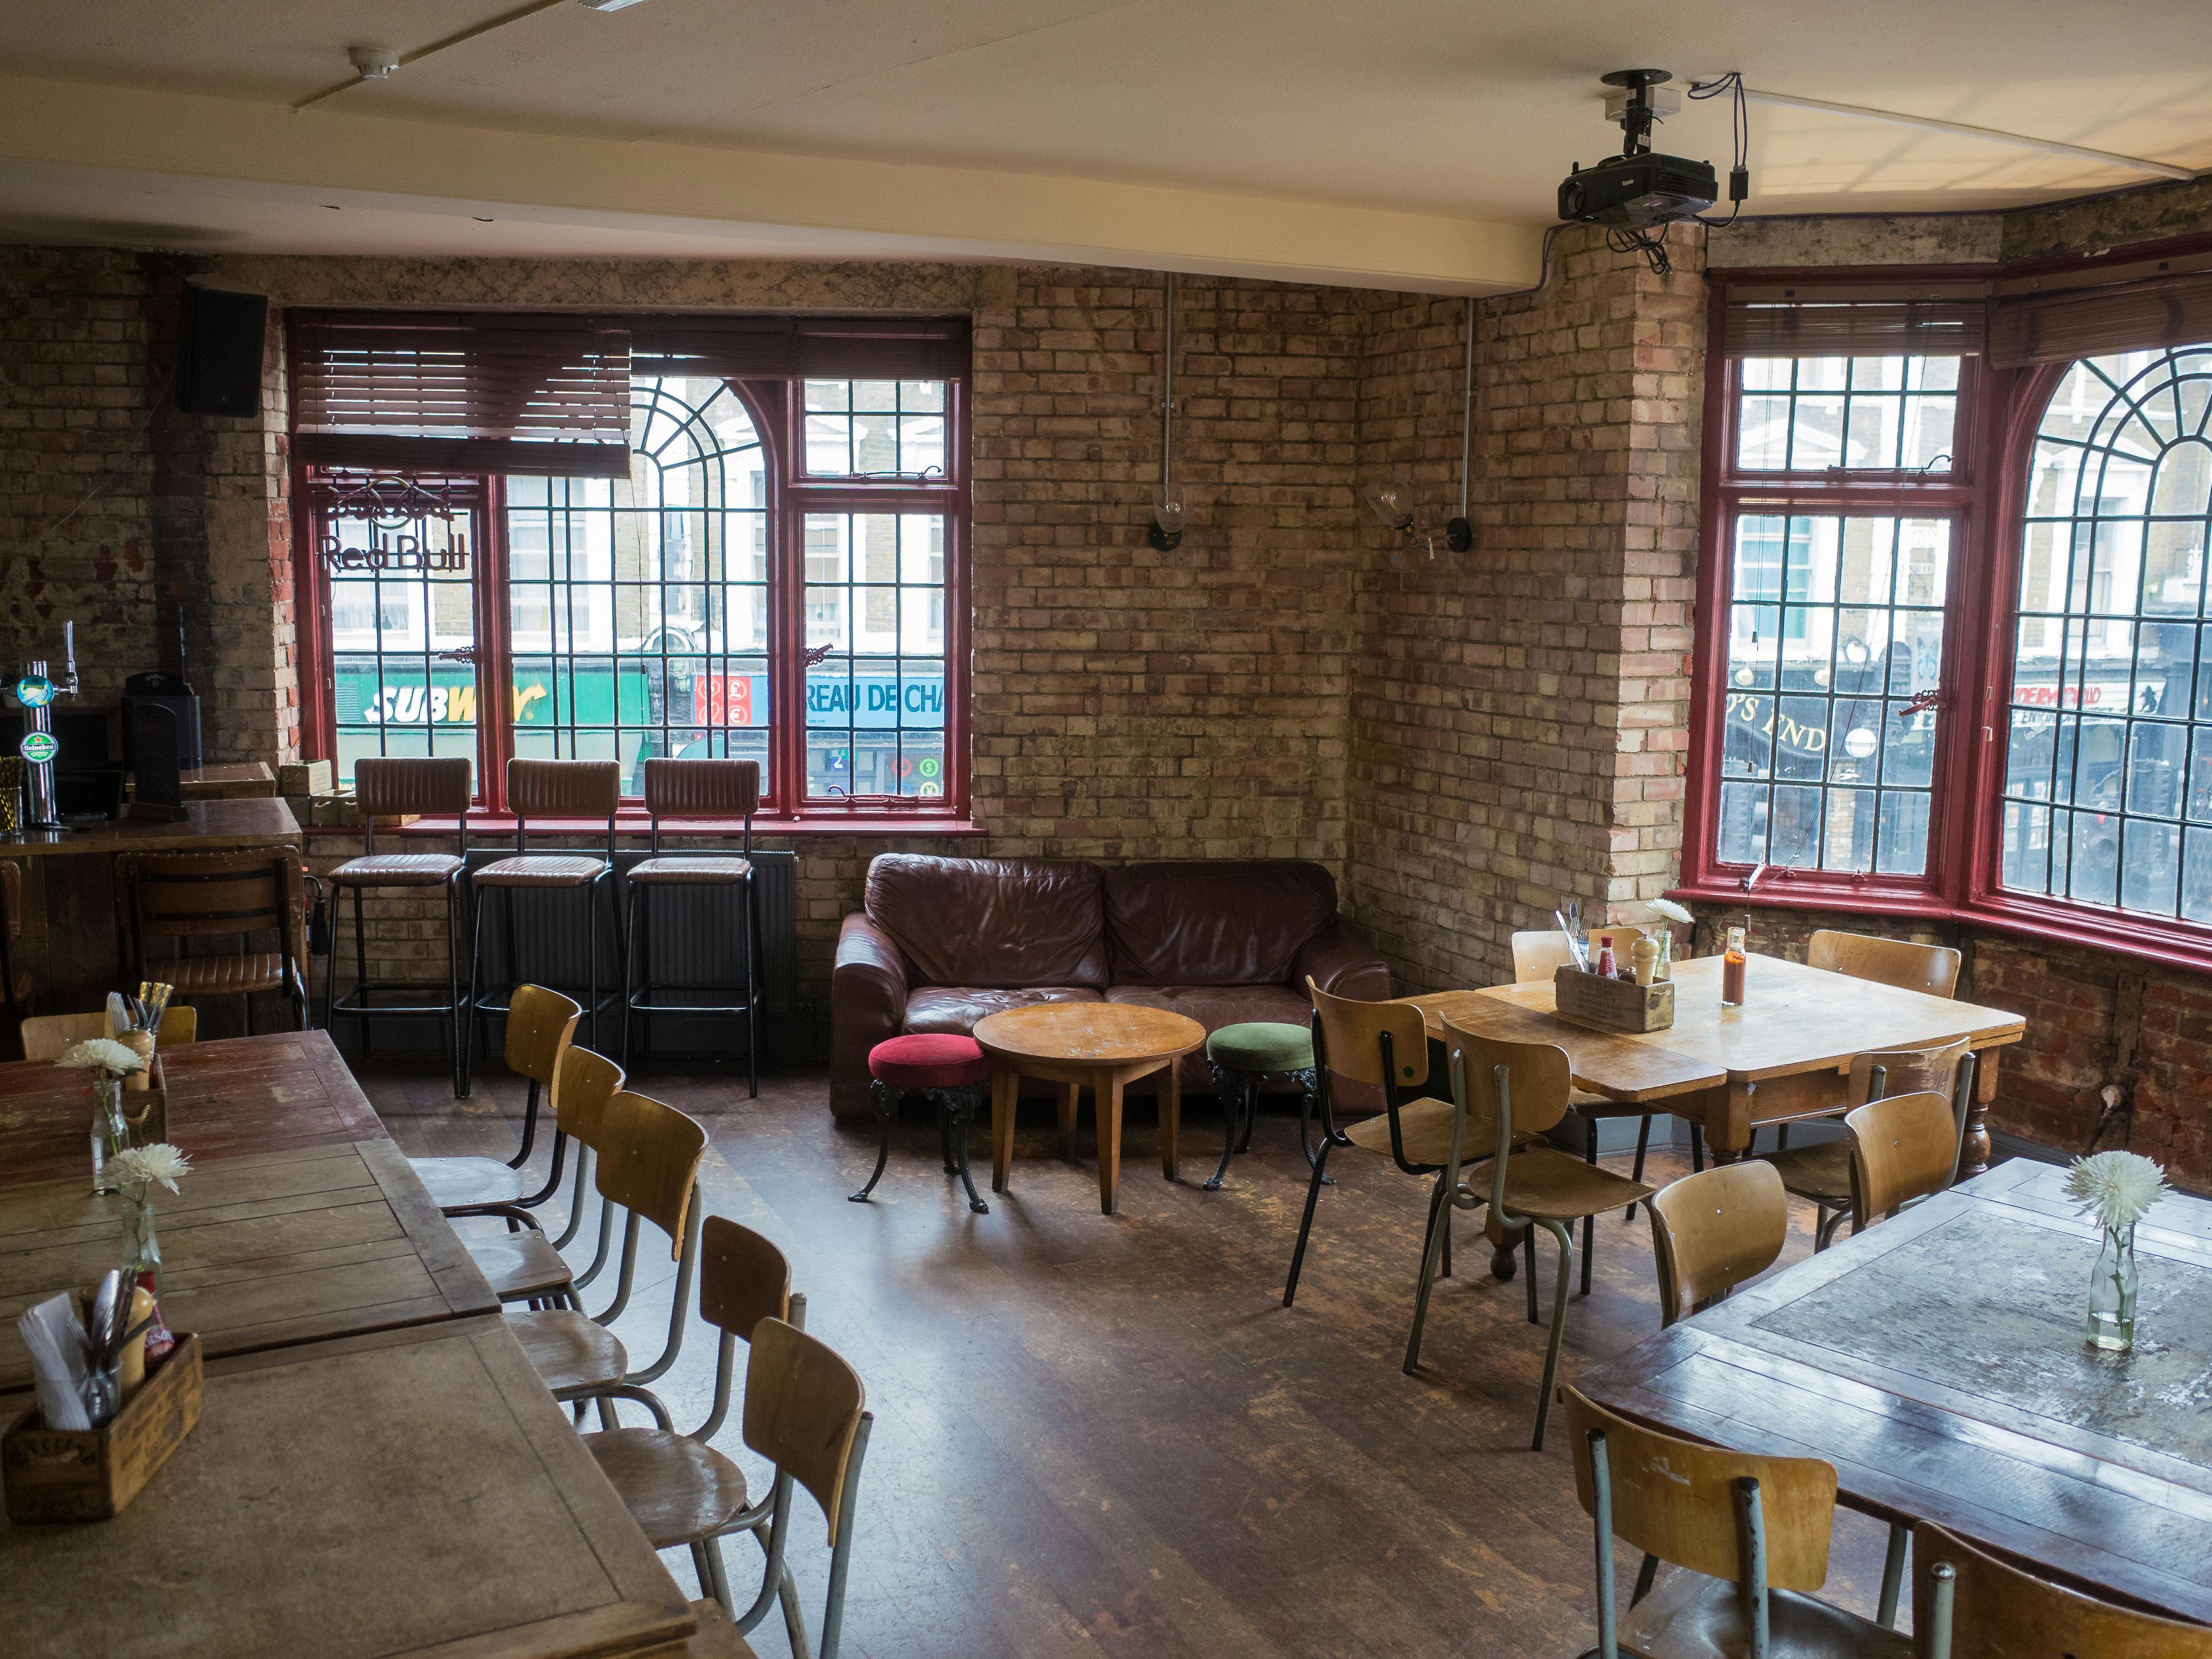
(701, 788)
(188, 894)
(45, 1035)
(540, 1024)
(1905, 1071)
(1351, 1039)
(583, 1085)
(803, 1409)
(1932, 968)
(1998, 1612)
(743, 1279)
(1677, 1499)
(1903, 1146)
(1538, 953)
(1537, 1075)
(563, 789)
(649, 1157)
(1711, 1232)
(425, 786)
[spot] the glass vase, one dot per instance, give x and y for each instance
(110, 1135)
(2112, 1292)
(1663, 969)
(142, 1251)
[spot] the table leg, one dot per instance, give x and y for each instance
(1974, 1154)
(1171, 1119)
(1107, 1091)
(1069, 1094)
(1727, 1131)
(1005, 1090)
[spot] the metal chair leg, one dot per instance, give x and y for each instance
(476, 987)
(1566, 1237)
(1643, 1143)
(1439, 1213)
(360, 973)
(455, 1015)
(330, 982)
(1697, 1148)
(1893, 1574)
(1529, 1269)
(1232, 1085)
(1251, 1116)
(1305, 1135)
(756, 961)
(1305, 1224)
(960, 1107)
(881, 1100)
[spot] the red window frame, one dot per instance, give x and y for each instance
(778, 409)
(2000, 410)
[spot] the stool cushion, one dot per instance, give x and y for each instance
(1262, 1046)
(396, 869)
(929, 1059)
(541, 870)
(698, 870)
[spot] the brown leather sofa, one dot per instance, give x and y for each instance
(944, 942)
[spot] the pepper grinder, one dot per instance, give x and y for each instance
(1644, 955)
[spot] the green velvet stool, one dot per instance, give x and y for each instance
(1241, 1057)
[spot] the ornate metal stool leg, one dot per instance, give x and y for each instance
(883, 1101)
(957, 1108)
(1230, 1086)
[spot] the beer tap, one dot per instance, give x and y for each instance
(35, 693)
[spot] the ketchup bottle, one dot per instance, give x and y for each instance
(1732, 967)
(1604, 963)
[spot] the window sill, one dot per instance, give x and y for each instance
(491, 828)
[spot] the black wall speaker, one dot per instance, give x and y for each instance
(219, 355)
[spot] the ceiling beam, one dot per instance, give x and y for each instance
(944, 212)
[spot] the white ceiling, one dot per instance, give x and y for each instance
(1466, 109)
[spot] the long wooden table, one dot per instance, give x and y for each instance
(1937, 1362)
(282, 1091)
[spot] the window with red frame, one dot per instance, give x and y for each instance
(780, 576)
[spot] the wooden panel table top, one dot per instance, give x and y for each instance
(281, 1091)
(268, 1248)
(1610, 1063)
(1103, 1046)
(415, 1492)
(207, 826)
(1937, 1361)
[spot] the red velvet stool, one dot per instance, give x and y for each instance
(951, 1072)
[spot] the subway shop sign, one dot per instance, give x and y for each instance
(626, 694)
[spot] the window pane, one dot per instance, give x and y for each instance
(875, 607)
(875, 429)
(1875, 413)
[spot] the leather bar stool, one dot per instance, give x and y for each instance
(392, 788)
(951, 1072)
(557, 789)
(1241, 1057)
(677, 790)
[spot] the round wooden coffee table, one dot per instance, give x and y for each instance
(1100, 1045)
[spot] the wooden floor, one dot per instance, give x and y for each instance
(1106, 1435)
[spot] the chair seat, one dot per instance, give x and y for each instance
(396, 869)
(1548, 1185)
(460, 1184)
(1425, 1128)
(717, 1636)
(677, 1489)
(702, 871)
(1820, 1172)
(929, 1059)
(541, 870)
(1690, 1616)
(1262, 1046)
(572, 1354)
(224, 976)
(520, 1266)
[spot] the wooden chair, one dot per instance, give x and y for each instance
(524, 1265)
(554, 789)
(1748, 1535)
(681, 1491)
(677, 790)
(1971, 1606)
(1506, 1091)
(1930, 969)
(540, 1024)
(184, 895)
(45, 1035)
(1384, 1045)
(1536, 957)
(1904, 1147)
(390, 787)
(648, 1167)
(1821, 1173)
(1712, 1232)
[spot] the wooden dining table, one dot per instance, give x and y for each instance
(1938, 1362)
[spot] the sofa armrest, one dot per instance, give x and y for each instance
(867, 1003)
(1342, 961)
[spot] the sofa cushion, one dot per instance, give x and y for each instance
(992, 923)
(1214, 921)
(956, 1008)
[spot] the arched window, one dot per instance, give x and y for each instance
(2107, 793)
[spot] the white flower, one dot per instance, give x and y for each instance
(1673, 912)
(102, 1054)
(2115, 1190)
(135, 1166)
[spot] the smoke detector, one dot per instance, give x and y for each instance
(608, 5)
(373, 63)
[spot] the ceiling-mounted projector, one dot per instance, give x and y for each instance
(1638, 188)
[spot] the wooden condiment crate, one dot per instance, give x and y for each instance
(92, 1474)
(1613, 1005)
